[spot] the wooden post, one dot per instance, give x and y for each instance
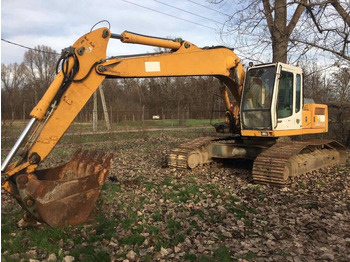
(24, 110)
(104, 106)
(111, 114)
(94, 114)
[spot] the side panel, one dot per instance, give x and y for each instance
(315, 116)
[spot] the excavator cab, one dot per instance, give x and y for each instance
(272, 103)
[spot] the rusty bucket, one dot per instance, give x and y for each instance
(64, 195)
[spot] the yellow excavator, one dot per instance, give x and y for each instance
(267, 104)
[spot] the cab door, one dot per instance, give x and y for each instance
(288, 98)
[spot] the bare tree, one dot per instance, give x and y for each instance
(327, 25)
(317, 86)
(12, 82)
(295, 28)
(341, 84)
(41, 67)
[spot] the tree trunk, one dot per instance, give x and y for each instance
(279, 34)
(279, 49)
(279, 30)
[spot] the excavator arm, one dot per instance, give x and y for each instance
(66, 195)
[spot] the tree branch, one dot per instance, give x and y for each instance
(341, 54)
(345, 15)
(313, 4)
(337, 6)
(268, 14)
(296, 16)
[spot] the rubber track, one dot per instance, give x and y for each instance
(179, 155)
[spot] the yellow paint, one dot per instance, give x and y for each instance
(280, 133)
(16, 169)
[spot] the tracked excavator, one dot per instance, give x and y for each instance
(267, 104)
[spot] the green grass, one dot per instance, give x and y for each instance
(249, 256)
(10, 133)
(173, 226)
(222, 254)
(44, 239)
(90, 253)
(104, 229)
(132, 239)
(181, 192)
(178, 238)
(111, 191)
(157, 216)
(77, 127)
(320, 183)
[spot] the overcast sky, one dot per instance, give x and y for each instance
(59, 24)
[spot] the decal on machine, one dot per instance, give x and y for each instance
(321, 118)
(152, 66)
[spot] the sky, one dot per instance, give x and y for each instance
(58, 24)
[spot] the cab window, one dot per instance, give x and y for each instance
(285, 95)
(298, 93)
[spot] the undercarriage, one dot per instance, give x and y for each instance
(276, 162)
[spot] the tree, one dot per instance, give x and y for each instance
(293, 27)
(12, 82)
(328, 24)
(41, 69)
(341, 83)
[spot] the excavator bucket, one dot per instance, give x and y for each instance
(64, 195)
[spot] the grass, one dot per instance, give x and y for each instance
(90, 253)
(10, 132)
(221, 254)
(43, 239)
(173, 227)
(104, 229)
(111, 191)
(181, 192)
(124, 125)
(132, 239)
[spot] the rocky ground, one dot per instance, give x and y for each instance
(147, 212)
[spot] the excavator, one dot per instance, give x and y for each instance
(263, 104)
